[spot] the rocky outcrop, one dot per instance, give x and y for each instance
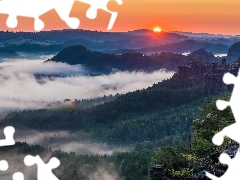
(234, 52)
(211, 72)
(202, 54)
(193, 69)
(213, 78)
(158, 172)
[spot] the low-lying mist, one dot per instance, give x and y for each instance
(86, 170)
(38, 66)
(20, 89)
(66, 141)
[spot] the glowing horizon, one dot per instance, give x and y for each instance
(213, 17)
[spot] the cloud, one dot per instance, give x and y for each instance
(7, 105)
(20, 89)
(87, 148)
(38, 66)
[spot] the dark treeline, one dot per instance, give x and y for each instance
(188, 45)
(106, 62)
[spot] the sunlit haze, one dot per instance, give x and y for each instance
(192, 16)
(157, 30)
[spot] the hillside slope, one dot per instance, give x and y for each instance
(106, 63)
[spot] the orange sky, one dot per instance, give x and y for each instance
(213, 16)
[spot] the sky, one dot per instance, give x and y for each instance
(212, 16)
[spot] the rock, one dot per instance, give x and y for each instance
(158, 172)
(212, 73)
(234, 51)
(202, 54)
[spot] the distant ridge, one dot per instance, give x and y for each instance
(234, 51)
(188, 46)
(5, 53)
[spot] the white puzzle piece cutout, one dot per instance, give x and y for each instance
(9, 139)
(101, 4)
(231, 131)
(44, 170)
(36, 8)
(233, 168)
(18, 176)
(3, 165)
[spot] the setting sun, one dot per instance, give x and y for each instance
(157, 29)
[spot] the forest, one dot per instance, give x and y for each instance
(168, 123)
(182, 160)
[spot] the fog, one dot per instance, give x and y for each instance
(38, 66)
(63, 140)
(220, 55)
(20, 89)
(103, 174)
(66, 141)
(16, 164)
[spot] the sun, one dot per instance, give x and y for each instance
(157, 30)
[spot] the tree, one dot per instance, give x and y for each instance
(212, 121)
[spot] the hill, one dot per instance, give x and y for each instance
(106, 62)
(159, 116)
(7, 53)
(161, 106)
(188, 46)
(202, 54)
(234, 51)
(54, 41)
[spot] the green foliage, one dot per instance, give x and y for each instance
(171, 158)
(124, 108)
(134, 164)
(181, 174)
(212, 121)
(72, 166)
(159, 116)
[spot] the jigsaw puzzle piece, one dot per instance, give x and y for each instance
(36, 8)
(38, 24)
(101, 4)
(25, 8)
(8, 133)
(231, 131)
(18, 176)
(233, 167)
(3, 165)
(221, 105)
(44, 170)
(229, 78)
(63, 8)
(12, 21)
(209, 175)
